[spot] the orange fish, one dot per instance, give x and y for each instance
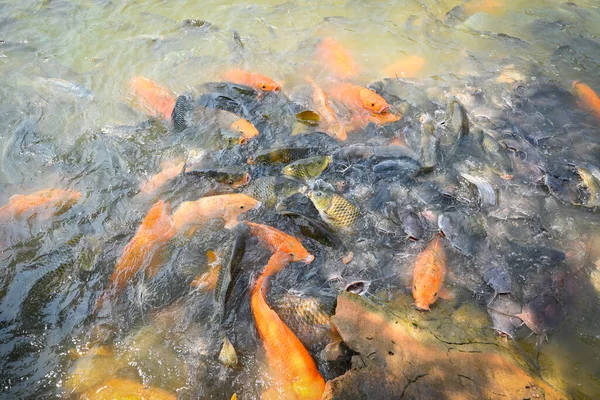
(280, 242)
(294, 371)
(143, 252)
(407, 67)
(155, 99)
(208, 280)
(332, 125)
(256, 81)
(429, 274)
(493, 7)
(118, 388)
(168, 172)
(588, 99)
(227, 207)
(362, 118)
(359, 98)
(245, 128)
(337, 59)
(43, 203)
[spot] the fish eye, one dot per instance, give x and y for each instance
(230, 181)
(319, 194)
(242, 207)
(372, 104)
(291, 254)
(264, 86)
(229, 140)
(415, 287)
(435, 294)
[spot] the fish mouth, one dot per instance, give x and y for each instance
(250, 161)
(303, 189)
(310, 258)
(422, 307)
(247, 179)
(257, 205)
(243, 140)
(384, 110)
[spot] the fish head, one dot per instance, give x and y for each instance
(321, 200)
(317, 165)
(239, 202)
(373, 102)
(236, 179)
(425, 293)
(287, 187)
(267, 84)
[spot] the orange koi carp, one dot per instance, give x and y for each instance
(333, 127)
(256, 81)
(155, 99)
(587, 98)
(144, 250)
(44, 203)
(280, 242)
(338, 59)
(429, 274)
(168, 172)
(359, 98)
(294, 371)
(407, 67)
(227, 207)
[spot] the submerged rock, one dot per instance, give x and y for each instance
(398, 359)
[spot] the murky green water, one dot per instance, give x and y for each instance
(67, 121)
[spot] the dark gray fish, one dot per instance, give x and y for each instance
(68, 87)
(397, 167)
(457, 118)
(181, 114)
(494, 269)
(460, 232)
(543, 315)
(412, 225)
(502, 310)
(487, 194)
(314, 228)
(374, 152)
(429, 147)
(559, 189)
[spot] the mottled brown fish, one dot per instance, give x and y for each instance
(307, 168)
(334, 209)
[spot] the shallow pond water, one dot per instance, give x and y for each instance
(516, 197)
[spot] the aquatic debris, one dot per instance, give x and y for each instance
(227, 355)
(254, 80)
(429, 274)
(155, 99)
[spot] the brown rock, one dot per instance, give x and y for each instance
(398, 359)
